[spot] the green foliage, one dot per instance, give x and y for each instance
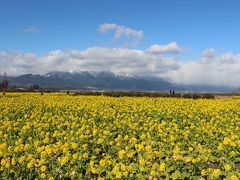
(208, 96)
(143, 94)
(187, 96)
(196, 96)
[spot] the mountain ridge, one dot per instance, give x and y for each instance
(106, 80)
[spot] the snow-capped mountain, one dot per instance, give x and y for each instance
(98, 80)
(106, 81)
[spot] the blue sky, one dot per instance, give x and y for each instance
(174, 32)
(67, 24)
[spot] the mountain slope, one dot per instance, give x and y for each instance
(101, 80)
(107, 81)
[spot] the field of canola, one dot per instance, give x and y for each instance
(55, 136)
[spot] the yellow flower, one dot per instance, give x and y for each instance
(126, 138)
(21, 159)
(116, 137)
(176, 175)
(216, 173)
(105, 132)
(234, 177)
(220, 147)
(30, 164)
(43, 176)
(84, 146)
(190, 149)
(7, 165)
(100, 141)
(142, 169)
(43, 168)
(148, 148)
(123, 167)
(121, 154)
(162, 166)
(94, 170)
(13, 161)
(143, 136)
(64, 160)
(118, 175)
(140, 147)
(75, 156)
(103, 162)
(203, 172)
(153, 173)
(94, 132)
(85, 155)
(74, 145)
(188, 159)
(226, 141)
(227, 167)
(141, 161)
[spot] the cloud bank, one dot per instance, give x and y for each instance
(92, 59)
(209, 69)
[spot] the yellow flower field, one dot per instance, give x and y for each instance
(56, 136)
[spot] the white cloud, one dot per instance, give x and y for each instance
(229, 58)
(219, 70)
(223, 69)
(132, 61)
(32, 29)
(123, 32)
(168, 48)
(209, 53)
(16, 63)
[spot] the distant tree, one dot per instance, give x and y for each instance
(36, 87)
(196, 96)
(4, 84)
(208, 96)
(187, 96)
